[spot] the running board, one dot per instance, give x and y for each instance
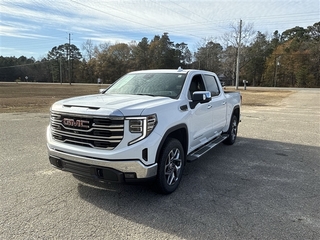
(202, 150)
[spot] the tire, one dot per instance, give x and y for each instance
(170, 166)
(232, 131)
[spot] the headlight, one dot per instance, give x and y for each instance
(141, 125)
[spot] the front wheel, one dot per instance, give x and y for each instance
(170, 166)
(232, 131)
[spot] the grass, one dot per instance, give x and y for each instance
(30, 97)
(38, 97)
(272, 97)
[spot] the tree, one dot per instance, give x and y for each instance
(239, 37)
(88, 48)
(63, 59)
(314, 47)
(257, 53)
(228, 63)
(87, 68)
(297, 33)
(141, 55)
(184, 54)
(163, 53)
(114, 61)
(209, 55)
(291, 58)
(293, 62)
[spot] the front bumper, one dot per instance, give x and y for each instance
(116, 171)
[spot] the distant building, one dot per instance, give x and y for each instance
(225, 81)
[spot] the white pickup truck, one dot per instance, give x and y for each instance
(145, 126)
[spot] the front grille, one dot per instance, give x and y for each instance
(90, 131)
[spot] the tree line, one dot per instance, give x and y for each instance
(288, 59)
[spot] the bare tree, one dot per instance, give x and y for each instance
(240, 36)
(88, 48)
(232, 38)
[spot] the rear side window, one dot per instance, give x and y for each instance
(211, 84)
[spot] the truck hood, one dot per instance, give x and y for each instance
(110, 104)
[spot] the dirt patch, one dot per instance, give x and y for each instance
(264, 97)
(38, 97)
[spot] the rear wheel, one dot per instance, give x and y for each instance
(170, 168)
(232, 131)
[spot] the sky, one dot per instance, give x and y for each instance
(32, 28)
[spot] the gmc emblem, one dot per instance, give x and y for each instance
(69, 122)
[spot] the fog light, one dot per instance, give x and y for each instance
(55, 161)
(130, 175)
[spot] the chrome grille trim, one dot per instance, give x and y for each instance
(104, 132)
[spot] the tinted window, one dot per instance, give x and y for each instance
(196, 85)
(212, 86)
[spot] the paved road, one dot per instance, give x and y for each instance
(266, 186)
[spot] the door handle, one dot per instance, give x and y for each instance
(223, 103)
(209, 106)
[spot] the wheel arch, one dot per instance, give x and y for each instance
(236, 112)
(179, 132)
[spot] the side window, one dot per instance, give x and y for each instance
(196, 85)
(212, 86)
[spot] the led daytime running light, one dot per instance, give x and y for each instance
(143, 125)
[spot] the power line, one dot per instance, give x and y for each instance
(199, 25)
(206, 26)
(130, 21)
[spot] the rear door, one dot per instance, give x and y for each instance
(218, 104)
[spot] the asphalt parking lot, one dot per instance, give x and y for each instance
(266, 186)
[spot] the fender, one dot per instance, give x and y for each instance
(175, 132)
(237, 110)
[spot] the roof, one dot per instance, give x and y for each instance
(179, 70)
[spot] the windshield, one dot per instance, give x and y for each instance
(152, 84)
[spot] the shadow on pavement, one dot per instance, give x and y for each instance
(253, 189)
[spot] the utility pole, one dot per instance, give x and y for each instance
(60, 71)
(69, 53)
(238, 56)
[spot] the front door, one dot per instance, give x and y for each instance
(200, 118)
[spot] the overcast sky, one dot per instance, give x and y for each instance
(32, 28)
